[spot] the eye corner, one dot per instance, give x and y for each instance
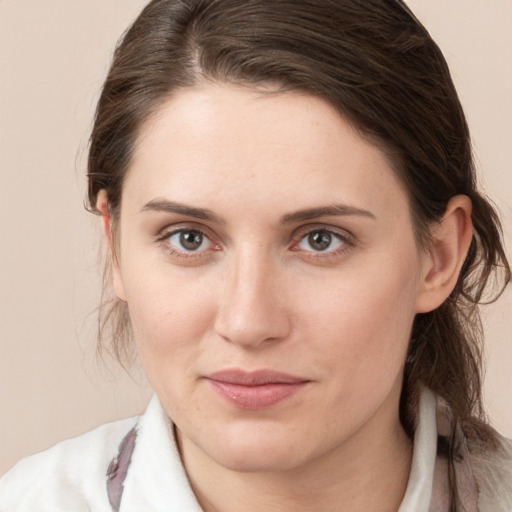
(339, 242)
(187, 243)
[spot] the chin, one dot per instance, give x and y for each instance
(259, 461)
(259, 454)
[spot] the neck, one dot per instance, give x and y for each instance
(367, 472)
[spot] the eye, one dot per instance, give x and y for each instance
(189, 240)
(321, 240)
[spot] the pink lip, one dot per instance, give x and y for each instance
(254, 390)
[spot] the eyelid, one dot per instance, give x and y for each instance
(169, 230)
(164, 234)
(310, 228)
(349, 240)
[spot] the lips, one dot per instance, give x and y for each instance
(255, 390)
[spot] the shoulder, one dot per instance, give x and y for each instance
(69, 476)
(493, 473)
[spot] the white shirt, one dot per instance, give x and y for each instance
(72, 476)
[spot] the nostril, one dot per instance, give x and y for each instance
(252, 326)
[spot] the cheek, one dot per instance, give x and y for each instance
(169, 315)
(169, 325)
(366, 319)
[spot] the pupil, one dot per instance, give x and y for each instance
(320, 240)
(191, 240)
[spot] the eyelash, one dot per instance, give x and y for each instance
(346, 239)
(164, 237)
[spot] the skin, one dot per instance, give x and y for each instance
(258, 294)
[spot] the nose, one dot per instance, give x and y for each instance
(252, 309)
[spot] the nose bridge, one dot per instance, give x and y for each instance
(251, 311)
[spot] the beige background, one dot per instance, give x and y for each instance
(53, 57)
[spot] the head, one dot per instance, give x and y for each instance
(371, 63)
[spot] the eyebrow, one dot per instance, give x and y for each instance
(163, 205)
(325, 211)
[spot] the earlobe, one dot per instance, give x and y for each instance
(106, 223)
(451, 239)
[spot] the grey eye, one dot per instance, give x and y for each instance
(320, 240)
(189, 240)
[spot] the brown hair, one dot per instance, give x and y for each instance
(379, 67)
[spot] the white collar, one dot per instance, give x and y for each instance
(157, 481)
(419, 489)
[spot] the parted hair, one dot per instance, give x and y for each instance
(378, 66)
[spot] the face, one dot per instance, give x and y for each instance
(268, 259)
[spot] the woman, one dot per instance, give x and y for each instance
(297, 247)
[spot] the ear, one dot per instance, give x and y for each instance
(451, 239)
(106, 223)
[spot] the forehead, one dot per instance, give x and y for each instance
(220, 142)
